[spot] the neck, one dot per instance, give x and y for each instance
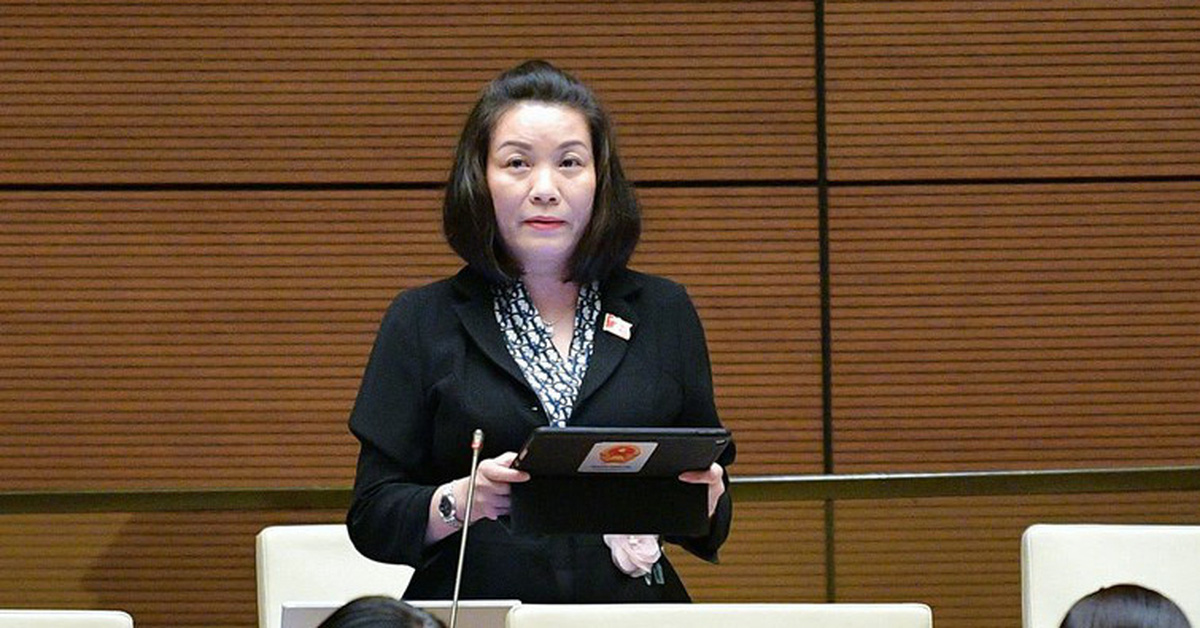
(554, 298)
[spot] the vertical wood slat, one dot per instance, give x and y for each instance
(939, 89)
(1047, 326)
(345, 93)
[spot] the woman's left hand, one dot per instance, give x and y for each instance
(713, 477)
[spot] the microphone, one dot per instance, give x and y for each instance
(476, 445)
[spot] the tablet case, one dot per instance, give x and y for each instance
(568, 494)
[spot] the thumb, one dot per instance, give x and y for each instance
(505, 459)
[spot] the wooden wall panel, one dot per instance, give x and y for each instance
(1012, 89)
(165, 569)
(284, 91)
(1015, 326)
(210, 332)
(962, 556)
(177, 569)
(196, 339)
(775, 553)
(748, 257)
(213, 339)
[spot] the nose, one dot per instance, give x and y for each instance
(545, 188)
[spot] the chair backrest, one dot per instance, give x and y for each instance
(64, 619)
(1062, 563)
(317, 563)
(721, 616)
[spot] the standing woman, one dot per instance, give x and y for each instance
(538, 207)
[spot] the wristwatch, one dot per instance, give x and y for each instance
(448, 507)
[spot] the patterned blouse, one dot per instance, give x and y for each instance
(554, 378)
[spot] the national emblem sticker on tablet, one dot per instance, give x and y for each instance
(614, 457)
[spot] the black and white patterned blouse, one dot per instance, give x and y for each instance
(555, 378)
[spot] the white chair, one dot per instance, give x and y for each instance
(64, 619)
(317, 563)
(1062, 563)
(721, 616)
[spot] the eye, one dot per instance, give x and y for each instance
(571, 162)
(516, 163)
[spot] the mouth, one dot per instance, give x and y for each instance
(544, 223)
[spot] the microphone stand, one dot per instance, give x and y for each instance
(476, 445)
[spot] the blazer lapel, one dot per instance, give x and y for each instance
(609, 349)
(474, 309)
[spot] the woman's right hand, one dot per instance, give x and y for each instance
(493, 490)
(493, 495)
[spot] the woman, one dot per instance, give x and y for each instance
(545, 326)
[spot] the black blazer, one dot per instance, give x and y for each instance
(440, 369)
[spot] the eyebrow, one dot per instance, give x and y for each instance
(527, 146)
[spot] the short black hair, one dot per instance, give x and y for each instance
(1125, 606)
(380, 611)
(468, 215)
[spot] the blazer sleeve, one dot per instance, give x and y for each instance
(392, 488)
(700, 410)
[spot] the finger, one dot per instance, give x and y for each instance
(505, 459)
(712, 474)
(495, 488)
(497, 508)
(504, 475)
(490, 504)
(709, 476)
(492, 470)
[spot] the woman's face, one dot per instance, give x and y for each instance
(542, 177)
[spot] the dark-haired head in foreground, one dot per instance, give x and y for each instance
(378, 611)
(1125, 606)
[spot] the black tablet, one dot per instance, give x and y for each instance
(641, 451)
